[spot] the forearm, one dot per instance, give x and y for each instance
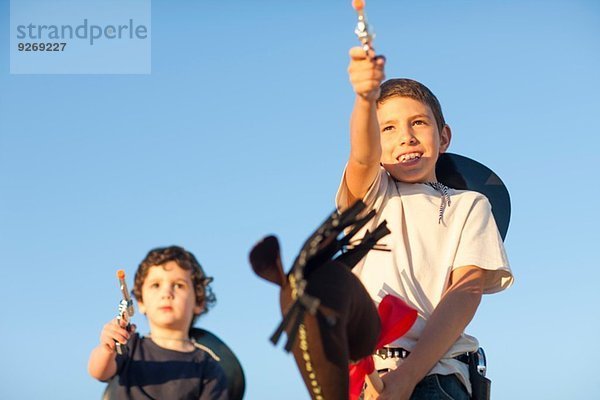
(365, 149)
(365, 144)
(446, 324)
(102, 364)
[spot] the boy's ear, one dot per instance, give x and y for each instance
(141, 307)
(198, 308)
(445, 137)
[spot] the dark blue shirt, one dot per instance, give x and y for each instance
(149, 371)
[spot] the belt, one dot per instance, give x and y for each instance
(399, 352)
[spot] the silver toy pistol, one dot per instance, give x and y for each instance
(365, 35)
(126, 310)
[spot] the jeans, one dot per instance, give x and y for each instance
(440, 387)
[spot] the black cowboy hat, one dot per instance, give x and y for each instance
(463, 173)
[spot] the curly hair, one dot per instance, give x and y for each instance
(186, 261)
(403, 87)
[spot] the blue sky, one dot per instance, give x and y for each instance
(240, 131)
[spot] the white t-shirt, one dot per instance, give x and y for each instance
(424, 251)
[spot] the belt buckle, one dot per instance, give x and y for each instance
(391, 352)
(383, 353)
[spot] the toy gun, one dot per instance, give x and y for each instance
(366, 36)
(126, 310)
(362, 28)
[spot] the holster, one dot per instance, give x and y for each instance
(480, 385)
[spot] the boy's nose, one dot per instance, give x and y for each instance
(407, 137)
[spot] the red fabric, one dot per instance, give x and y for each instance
(396, 319)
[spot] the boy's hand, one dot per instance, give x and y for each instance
(370, 393)
(399, 384)
(113, 331)
(366, 73)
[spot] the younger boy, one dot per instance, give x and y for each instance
(172, 290)
(445, 247)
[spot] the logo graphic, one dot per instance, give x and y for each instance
(80, 37)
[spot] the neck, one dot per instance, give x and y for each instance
(172, 340)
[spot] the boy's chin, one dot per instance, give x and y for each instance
(170, 324)
(406, 176)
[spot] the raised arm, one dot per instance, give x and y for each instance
(102, 364)
(366, 75)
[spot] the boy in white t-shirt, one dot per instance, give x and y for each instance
(445, 247)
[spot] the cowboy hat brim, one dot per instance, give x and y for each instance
(463, 173)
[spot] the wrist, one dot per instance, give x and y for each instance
(365, 100)
(107, 350)
(410, 372)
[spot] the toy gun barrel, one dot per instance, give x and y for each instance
(126, 297)
(126, 309)
(362, 27)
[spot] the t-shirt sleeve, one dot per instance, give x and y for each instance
(370, 198)
(214, 382)
(481, 245)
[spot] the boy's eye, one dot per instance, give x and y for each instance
(154, 285)
(387, 128)
(419, 122)
(179, 285)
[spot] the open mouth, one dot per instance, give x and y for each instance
(409, 157)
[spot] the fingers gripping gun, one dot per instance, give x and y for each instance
(126, 310)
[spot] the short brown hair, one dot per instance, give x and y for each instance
(403, 87)
(186, 261)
